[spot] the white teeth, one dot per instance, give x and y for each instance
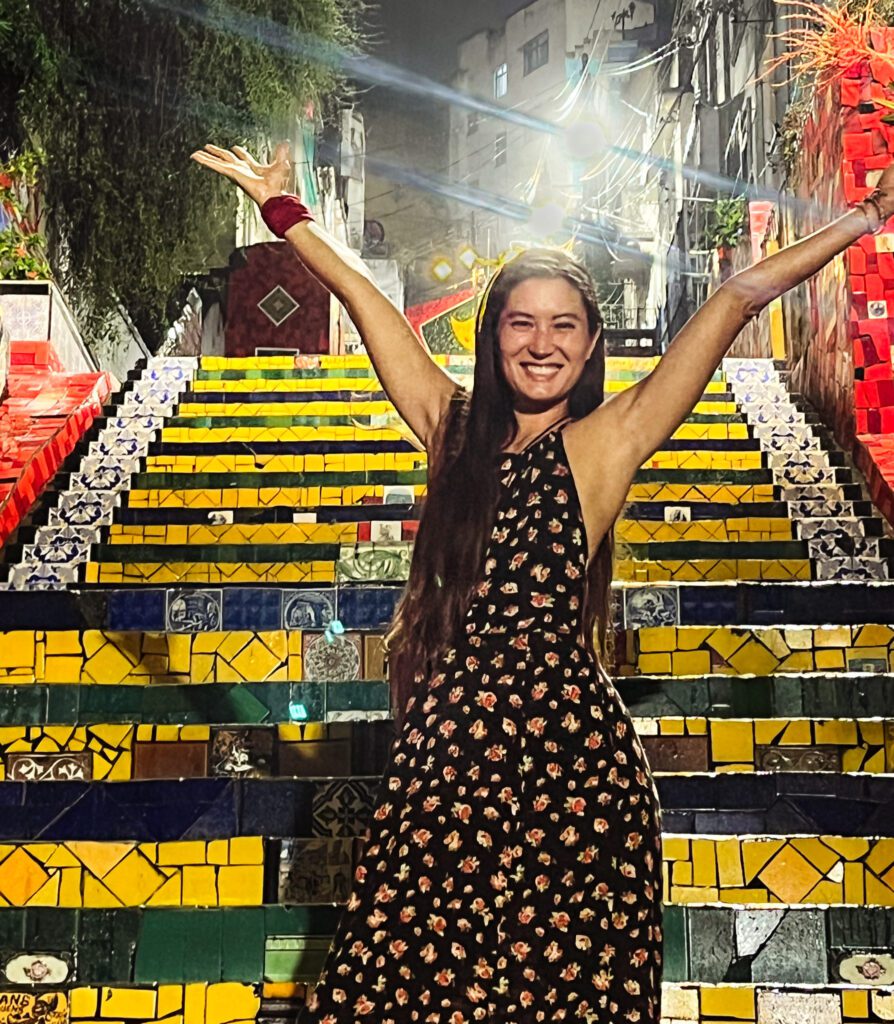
(542, 371)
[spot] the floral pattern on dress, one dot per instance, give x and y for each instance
(512, 867)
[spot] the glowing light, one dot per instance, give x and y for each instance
(297, 712)
(442, 269)
(467, 257)
(585, 140)
(547, 220)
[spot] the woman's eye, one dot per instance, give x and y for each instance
(565, 327)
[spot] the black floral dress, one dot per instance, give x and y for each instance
(512, 870)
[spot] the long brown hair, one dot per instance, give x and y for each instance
(463, 490)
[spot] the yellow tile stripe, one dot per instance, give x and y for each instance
(640, 531)
(756, 650)
(330, 462)
(216, 873)
(97, 657)
(731, 494)
(323, 407)
(226, 1002)
(361, 384)
(261, 497)
(237, 533)
(803, 870)
(714, 570)
(158, 573)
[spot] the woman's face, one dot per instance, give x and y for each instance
(544, 341)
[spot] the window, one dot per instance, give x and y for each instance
(536, 52)
(472, 122)
(500, 150)
(501, 81)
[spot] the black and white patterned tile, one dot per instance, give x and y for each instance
(94, 489)
(808, 481)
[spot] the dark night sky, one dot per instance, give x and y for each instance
(421, 35)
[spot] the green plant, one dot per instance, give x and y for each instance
(727, 222)
(22, 246)
(118, 93)
(791, 130)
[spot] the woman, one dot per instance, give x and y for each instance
(512, 870)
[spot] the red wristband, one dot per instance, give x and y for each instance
(283, 212)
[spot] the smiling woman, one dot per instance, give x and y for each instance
(512, 867)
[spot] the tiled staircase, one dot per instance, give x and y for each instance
(191, 745)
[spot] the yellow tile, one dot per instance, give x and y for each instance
(170, 999)
(218, 851)
(128, 1002)
(98, 857)
(726, 641)
(691, 663)
(798, 733)
(830, 660)
(728, 1002)
(194, 1004)
(729, 863)
(18, 649)
(855, 1002)
(657, 638)
(832, 636)
(247, 850)
(873, 636)
(836, 731)
(134, 880)
(185, 852)
(675, 848)
(241, 886)
(732, 740)
(754, 658)
(816, 851)
(654, 664)
(229, 1001)
(704, 862)
(789, 875)
(199, 886)
(756, 853)
(82, 1002)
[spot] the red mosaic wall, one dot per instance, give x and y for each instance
(45, 413)
(840, 323)
(265, 266)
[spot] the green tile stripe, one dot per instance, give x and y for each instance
(214, 481)
(341, 419)
(226, 553)
(366, 373)
(391, 477)
(692, 550)
(289, 943)
(227, 704)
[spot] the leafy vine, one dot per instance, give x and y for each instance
(118, 93)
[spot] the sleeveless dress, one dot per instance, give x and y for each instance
(512, 869)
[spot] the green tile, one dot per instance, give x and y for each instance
(50, 928)
(12, 928)
(242, 944)
(676, 946)
(179, 946)
(24, 705)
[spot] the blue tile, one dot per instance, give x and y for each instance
(367, 607)
(136, 609)
(254, 609)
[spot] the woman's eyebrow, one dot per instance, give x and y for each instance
(556, 316)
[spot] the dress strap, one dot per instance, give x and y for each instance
(541, 435)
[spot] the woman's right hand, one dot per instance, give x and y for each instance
(258, 181)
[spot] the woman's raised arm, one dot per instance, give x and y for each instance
(419, 389)
(641, 418)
